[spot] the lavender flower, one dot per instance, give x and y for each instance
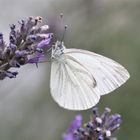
(98, 128)
(73, 127)
(27, 44)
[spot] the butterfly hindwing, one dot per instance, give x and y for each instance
(72, 86)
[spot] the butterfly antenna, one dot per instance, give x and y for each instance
(65, 28)
(64, 32)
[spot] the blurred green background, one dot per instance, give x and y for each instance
(107, 27)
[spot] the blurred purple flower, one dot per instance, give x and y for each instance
(98, 128)
(77, 122)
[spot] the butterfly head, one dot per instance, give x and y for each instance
(57, 50)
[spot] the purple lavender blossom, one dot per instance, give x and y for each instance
(42, 47)
(37, 59)
(100, 127)
(77, 122)
(27, 44)
(45, 43)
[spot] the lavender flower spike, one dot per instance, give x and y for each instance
(98, 128)
(27, 44)
(68, 135)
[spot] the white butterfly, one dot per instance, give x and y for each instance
(80, 77)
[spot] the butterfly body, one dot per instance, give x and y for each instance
(79, 77)
(57, 52)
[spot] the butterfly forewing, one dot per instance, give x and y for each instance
(108, 74)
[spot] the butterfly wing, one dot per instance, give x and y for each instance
(72, 85)
(108, 74)
(80, 77)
